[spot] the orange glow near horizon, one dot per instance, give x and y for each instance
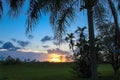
(56, 58)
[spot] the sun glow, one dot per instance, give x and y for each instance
(55, 58)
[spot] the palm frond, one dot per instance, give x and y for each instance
(33, 15)
(78, 29)
(15, 7)
(1, 9)
(100, 14)
(36, 9)
(60, 20)
(84, 28)
(61, 13)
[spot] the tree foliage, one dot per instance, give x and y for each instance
(11, 61)
(107, 39)
(81, 56)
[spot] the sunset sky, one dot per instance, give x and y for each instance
(41, 36)
(40, 39)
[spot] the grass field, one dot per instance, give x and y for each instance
(48, 71)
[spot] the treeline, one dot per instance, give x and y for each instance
(12, 61)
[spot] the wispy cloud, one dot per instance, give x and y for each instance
(45, 46)
(30, 37)
(57, 51)
(23, 43)
(1, 42)
(13, 39)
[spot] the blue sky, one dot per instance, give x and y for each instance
(15, 29)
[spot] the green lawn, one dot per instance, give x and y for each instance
(48, 71)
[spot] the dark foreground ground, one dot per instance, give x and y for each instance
(49, 71)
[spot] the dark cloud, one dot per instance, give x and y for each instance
(1, 42)
(46, 38)
(9, 46)
(45, 46)
(13, 39)
(30, 36)
(57, 51)
(23, 43)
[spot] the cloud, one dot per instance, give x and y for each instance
(46, 38)
(45, 46)
(23, 43)
(49, 38)
(13, 39)
(56, 43)
(1, 42)
(57, 51)
(30, 37)
(9, 46)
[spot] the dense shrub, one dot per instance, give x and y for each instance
(82, 68)
(81, 50)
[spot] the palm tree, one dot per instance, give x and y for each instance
(91, 38)
(115, 17)
(80, 30)
(62, 12)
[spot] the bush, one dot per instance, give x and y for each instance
(82, 67)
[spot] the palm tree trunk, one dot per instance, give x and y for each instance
(92, 44)
(114, 13)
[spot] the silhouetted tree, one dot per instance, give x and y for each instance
(33, 61)
(107, 37)
(28, 60)
(11, 61)
(81, 50)
(81, 56)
